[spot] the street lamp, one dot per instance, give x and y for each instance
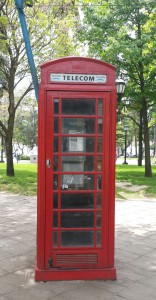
(125, 130)
(120, 87)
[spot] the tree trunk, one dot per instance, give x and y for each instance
(9, 146)
(136, 146)
(140, 152)
(9, 156)
(148, 169)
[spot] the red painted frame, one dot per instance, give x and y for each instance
(105, 268)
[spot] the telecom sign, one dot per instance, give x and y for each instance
(79, 78)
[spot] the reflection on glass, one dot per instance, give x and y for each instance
(55, 125)
(98, 238)
(99, 200)
(78, 126)
(77, 163)
(99, 145)
(55, 144)
(78, 106)
(55, 163)
(55, 200)
(99, 181)
(77, 144)
(56, 106)
(100, 123)
(55, 182)
(77, 219)
(99, 163)
(55, 239)
(55, 219)
(100, 107)
(76, 201)
(78, 182)
(98, 219)
(77, 238)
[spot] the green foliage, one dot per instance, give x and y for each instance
(25, 132)
(50, 30)
(24, 157)
(124, 34)
(29, 3)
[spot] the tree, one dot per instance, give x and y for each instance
(25, 133)
(124, 34)
(43, 22)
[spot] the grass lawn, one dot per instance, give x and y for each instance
(130, 181)
(24, 182)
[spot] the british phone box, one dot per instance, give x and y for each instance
(76, 170)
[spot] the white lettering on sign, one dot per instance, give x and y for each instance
(92, 78)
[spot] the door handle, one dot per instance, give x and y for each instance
(48, 163)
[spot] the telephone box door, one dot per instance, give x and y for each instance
(77, 151)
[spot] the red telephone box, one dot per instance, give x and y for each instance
(76, 170)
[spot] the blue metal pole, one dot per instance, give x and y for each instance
(19, 5)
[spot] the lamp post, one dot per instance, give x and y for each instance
(125, 130)
(120, 87)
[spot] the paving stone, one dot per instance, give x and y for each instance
(4, 254)
(22, 237)
(15, 263)
(112, 286)
(138, 292)
(87, 292)
(124, 256)
(2, 272)
(19, 248)
(133, 273)
(135, 255)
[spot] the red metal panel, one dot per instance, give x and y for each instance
(41, 211)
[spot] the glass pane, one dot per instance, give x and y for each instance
(77, 238)
(89, 144)
(78, 182)
(55, 201)
(78, 106)
(98, 219)
(55, 144)
(78, 126)
(99, 163)
(99, 145)
(77, 219)
(55, 239)
(55, 125)
(76, 201)
(98, 238)
(99, 181)
(77, 144)
(55, 219)
(100, 123)
(100, 107)
(77, 163)
(99, 200)
(55, 182)
(56, 106)
(55, 163)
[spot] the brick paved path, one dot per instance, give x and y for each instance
(135, 255)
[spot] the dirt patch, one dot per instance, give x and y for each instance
(128, 191)
(130, 187)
